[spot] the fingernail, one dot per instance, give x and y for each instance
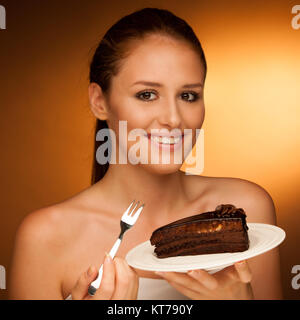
(90, 271)
(108, 258)
(240, 263)
(159, 273)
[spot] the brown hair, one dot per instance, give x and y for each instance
(114, 47)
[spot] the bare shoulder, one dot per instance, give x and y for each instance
(36, 250)
(38, 223)
(56, 224)
(250, 196)
(253, 198)
(50, 248)
(43, 243)
(60, 227)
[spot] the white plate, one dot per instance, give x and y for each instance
(262, 238)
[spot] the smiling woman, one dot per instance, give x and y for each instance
(149, 105)
(136, 49)
(148, 70)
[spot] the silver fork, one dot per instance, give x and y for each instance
(127, 221)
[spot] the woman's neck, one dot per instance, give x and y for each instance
(161, 193)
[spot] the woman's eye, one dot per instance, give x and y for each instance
(146, 95)
(150, 96)
(190, 96)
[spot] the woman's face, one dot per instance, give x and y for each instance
(159, 86)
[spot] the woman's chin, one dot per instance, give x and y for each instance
(161, 168)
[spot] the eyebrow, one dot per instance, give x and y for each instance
(156, 84)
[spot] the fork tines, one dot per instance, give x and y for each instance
(130, 215)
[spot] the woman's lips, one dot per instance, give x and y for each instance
(166, 142)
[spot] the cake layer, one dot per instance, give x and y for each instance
(222, 230)
(195, 229)
(235, 236)
(205, 248)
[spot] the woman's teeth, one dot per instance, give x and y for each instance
(166, 140)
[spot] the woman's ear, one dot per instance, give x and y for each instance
(98, 102)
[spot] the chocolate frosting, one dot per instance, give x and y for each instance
(228, 210)
(222, 211)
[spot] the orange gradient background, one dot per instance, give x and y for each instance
(252, 97)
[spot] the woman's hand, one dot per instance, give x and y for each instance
(119, 282)
(232, 282)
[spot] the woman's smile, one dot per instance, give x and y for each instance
(166, 142)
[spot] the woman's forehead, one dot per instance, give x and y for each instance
(156, 45)
(159, 58)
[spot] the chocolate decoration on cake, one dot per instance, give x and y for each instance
(219, 231)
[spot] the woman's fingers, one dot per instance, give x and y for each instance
(243, 271)
(227, 276)
(126, 281)
(206, 279)
(80, 290)
(239, 272)
(122, 280)
(184, 280)
(135, 288)
(232, 282)
(133, 283)
(186, 291)
(107, 285)
(119, 282)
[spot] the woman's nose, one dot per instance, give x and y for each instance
(170, 115)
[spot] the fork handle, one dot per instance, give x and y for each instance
(96, 283)
(115, 248)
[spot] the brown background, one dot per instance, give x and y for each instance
(252, 103)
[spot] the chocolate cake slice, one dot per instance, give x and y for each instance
(222, 230)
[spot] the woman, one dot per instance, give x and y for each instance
(148, 70)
